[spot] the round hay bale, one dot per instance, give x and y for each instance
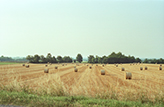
(103, 65)
(46, 70)
(102, 72)
(87, 65)
(128, 75)
(96, 65)
(62, 64)
(90, 67)
(116, 65)
(160, 65)
(23, 64)
(146, 68)
(50, 63)
(122, 69)
(160, 68)
(141, 68)
(27, 66)
(75, 69)
(56, 67)
(46, 65)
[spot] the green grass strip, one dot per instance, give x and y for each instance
(7, 63)
(25, 99)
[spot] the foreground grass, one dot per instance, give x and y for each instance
(6, 63)
(25, 99)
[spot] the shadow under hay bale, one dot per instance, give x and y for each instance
(122, 69)
(141, 68)
(56, 67)
(102, 72)
(90, 67)
(128, 75)
(160, 68)
(46, 65)
(75, 69)
(27, 66)
(146, 68)
(46, 70)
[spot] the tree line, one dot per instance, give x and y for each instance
(9, 59)
(52, 59)
(153, 61)
(113, 58)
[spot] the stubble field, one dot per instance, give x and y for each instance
(86, 81)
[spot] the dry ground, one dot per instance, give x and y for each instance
(88, 81)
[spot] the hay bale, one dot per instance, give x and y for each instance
(75, 69)
(103, 65)
(90, 67)
(23, 64)
(128, 75)
(27, 66)
(122, 69)
(62, 64)
(46, 65)
(160, 65)
(116, 65)
(56, 67)
(87, 65)
(102, 72)
(46, 70)
(96, 65)
(141, 68)
(146, 68)
(160, 68)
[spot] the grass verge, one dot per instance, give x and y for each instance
(26, 99)
(6, 63)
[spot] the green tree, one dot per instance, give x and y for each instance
(145, 61)
(90, 58)
(138, 60)
(79, 58)
(49, 58)
(54, 59)
(43, 59)
(59, 59)
(36, 58)
(30, 58)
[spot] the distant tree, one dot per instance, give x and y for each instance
(138, 60)
(146, 61)
(93, 60)
(67, 59)
(36, 58)
(90, 58)
(59, 59)
(79, 58)
(43, 59)
(30, 58)
(49, 58)
(54, 59)
(99, 60)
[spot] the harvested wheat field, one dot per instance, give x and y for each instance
(87, 81)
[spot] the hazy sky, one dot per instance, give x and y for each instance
(88, 27)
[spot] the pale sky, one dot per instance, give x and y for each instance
(88, 27)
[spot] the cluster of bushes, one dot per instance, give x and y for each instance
(113, 58)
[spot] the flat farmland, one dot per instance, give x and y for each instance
(87, 81)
